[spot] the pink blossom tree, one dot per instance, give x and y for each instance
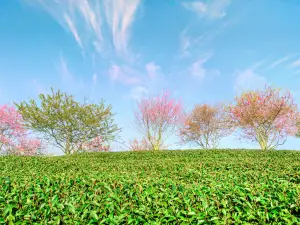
(157, 118)
(94, 145)
(14, 138)
(265, 116)
(139, 145)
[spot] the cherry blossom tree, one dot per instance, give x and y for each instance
(205, 126)
(267, 117)
(157, 118)
(139, 145)
(14, 138)
(96, 144)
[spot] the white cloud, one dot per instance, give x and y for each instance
(63, 69)
(214, 9)
(278, 62)
(189, 44)
(138, 92)
(153, 70)
(197, 69)
(124, 75)
(95, 79)
(69, 80)
(85, 20)
(73, 30)
(120, 15)
(130, 76)
(249, 80)
(295, 63)
(142, 82)
(198, 7)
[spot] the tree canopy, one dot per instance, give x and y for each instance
(267, 117)
(66, 123)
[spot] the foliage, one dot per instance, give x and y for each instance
(205, 126)
(152, 187)
(298, 124)
(69, 124)
(266, 117)
(14, 138)
(156, 118)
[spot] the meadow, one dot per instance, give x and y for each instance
(152, 187)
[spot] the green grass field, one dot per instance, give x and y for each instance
(168, 187)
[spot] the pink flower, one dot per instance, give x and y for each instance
(13, 136)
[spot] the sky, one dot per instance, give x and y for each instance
(202, 51)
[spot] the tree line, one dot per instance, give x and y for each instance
(266, 116)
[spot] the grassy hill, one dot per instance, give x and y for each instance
(168, 187)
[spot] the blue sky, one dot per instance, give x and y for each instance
(119, 50)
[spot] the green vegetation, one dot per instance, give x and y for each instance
(168, 187)
(66, 123)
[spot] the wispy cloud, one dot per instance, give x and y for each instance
(189, 44)
(124, 75)
(130, 76)
(248, 80)
(295, 63)
(148, 79)
(63, 69)
(95, 79)
(214, 9)
(138, 92)
(69, 80)
(120, 15)
(192, 44)
(297, 72)
(198, 70)
(278, 62)
(85, 21)
(73, 30)
(153, 70)
(197, 6)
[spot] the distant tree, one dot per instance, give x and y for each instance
(14, 138)
(265, 116)
(139, 145)
(94, 145)
(70, 125)
(142, 145)
(205, 126)
(157, 118)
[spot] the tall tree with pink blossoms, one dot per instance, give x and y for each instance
(14, 138)
(267, 117)
(157, 118)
